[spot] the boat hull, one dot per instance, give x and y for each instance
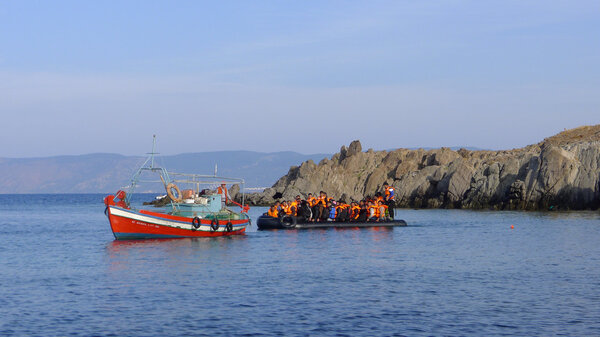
(267, 222)
(129, 224)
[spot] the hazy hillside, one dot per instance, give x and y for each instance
(107, 172)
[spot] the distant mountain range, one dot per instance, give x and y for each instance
(94, 173)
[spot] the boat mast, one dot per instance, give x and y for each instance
(153, 153)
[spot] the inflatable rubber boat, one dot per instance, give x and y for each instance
(292, 222)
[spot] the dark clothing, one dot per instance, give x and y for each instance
(324, 213)
(391, 204)
(363, 215)
(304, 211)
(320, 213)
(342, 215)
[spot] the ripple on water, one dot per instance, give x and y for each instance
(449, 273)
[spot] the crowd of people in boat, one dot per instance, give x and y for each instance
(321, 208)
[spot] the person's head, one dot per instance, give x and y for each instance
(277, 203)
(310, 195)
(298, 198)
(385, 184)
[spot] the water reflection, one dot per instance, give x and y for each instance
(123, 254)
(117, 246)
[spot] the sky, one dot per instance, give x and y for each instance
(81, 77)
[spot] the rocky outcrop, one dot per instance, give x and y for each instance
(561, 172)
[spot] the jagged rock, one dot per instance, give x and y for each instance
(354, 148)
(160, 202)
(562, 171)
(234, 191)
(459, 180)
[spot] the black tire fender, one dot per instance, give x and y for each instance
(214, 224)
(196, 222)
(287, 221)
(229, 226)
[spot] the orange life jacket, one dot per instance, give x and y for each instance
(312, 201)
(225, 195)
(343, 206)
(294, 208)
(287, 210)
(272, 212)
(375, 211)
(388, 193)
(355, 212)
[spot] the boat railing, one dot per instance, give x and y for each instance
(167, 178)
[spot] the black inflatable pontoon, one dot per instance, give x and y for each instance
(292, 222)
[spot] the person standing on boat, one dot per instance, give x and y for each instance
(390, 198)
(222, 190)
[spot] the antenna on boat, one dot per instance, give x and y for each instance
(215, 169)
(152, 153)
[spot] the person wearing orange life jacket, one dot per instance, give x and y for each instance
(222, 190)
(282, 208)
(274, 210)
(381, 206)
(348, 209)
(363, 213)
(354, 211)
(285, 205)
(383, 210)
(378, 197)
(390, 198)
(319, 209)
(373, 211)
(342, 211)
(322, 200)
(294, 205)
(311, 200)
(339, 210)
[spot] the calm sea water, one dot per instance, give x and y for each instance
(450, 272)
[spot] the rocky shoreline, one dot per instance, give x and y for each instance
(560, 173)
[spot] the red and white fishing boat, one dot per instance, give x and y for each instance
(189, 213)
